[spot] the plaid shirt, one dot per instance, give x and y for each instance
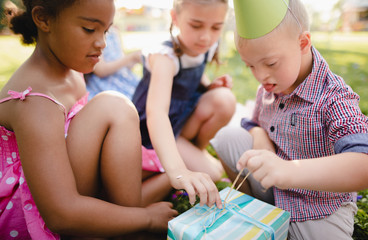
(306, 124)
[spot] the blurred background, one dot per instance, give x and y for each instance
(339, 31)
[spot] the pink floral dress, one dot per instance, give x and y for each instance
(19, 216)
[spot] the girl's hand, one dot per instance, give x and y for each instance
(266, 167)
(160, 214)
(223, 81)
(134, 58)
(196, 183)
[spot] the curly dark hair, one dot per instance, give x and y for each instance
(22, 23)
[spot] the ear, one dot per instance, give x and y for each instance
(305, 42)
(41, 19)
(173, 17)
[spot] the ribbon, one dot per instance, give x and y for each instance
(213, 213)
(19, 95)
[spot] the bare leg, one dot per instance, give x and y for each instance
(214, 110)
(104, 148)
(155, 188)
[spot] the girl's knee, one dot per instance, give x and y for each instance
(115, 105)
(224, 101)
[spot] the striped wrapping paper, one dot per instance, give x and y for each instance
(243, 217)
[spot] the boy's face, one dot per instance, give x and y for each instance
(275, 61)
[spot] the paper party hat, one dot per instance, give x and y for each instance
(256, 18)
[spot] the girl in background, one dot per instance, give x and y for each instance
(180, 110)
(114, 71)
(67, 166)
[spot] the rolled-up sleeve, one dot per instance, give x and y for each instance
(352, 143)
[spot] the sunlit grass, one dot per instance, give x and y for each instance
(12, 55)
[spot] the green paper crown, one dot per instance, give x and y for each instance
(256, 18)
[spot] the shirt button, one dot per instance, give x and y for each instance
(272, 128)
(281, 106)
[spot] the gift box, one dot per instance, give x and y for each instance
(242, 217)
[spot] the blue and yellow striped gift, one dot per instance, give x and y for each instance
(243, 217)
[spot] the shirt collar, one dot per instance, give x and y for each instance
(311, 87)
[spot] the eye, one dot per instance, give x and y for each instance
(271, 64)
(195, 26)
(88, 30)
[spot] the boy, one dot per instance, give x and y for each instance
(304, 114)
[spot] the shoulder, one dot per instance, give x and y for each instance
(163, 49)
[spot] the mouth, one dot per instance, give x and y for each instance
(95, 57)
(269, 87)
(202, 46)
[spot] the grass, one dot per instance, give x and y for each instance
(347, 55)
(12, 55)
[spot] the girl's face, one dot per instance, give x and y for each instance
(76, 37)
(275, 61)
(200, 25)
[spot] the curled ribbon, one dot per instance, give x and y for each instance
(213, 213)
(19, 95)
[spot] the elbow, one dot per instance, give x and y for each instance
(59, 223)
(100, 74)
(100, 70)
(61, 219)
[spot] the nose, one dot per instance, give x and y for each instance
(100, 42)
(261, 74)
(205, 36)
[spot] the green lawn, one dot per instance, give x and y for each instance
(347, 55)
(12, 55)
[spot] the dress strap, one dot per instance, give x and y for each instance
(22, 95)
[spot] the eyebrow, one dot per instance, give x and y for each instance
(94, 20)
(199, 21)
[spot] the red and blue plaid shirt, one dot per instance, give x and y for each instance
(321, 117)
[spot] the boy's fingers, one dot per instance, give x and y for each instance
(244, 159)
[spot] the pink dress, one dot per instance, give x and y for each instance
(19, 217)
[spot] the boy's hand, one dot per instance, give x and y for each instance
(266, 167)
(223, 81)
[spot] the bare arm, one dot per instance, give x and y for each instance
(104, 69)
(261, 139)
(42, 147)
(163, 140)
(344, 172)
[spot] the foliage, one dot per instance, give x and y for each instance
(180, 198)
(361, 218)
(2, 26)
